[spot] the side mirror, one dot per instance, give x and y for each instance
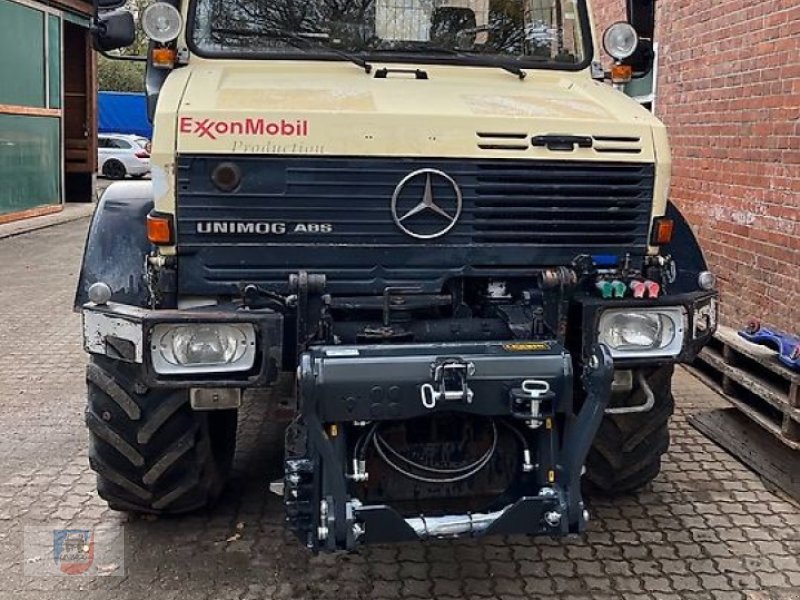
(113, 30)
(104, 5)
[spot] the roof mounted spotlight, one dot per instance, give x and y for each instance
(620, 40)
(162, 22)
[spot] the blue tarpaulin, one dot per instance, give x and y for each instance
(123, 112)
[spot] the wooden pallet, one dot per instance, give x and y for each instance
(752, 379)
(778, 465)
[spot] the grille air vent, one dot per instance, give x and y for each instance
(502, 141)
(519, 142)
(617, 144)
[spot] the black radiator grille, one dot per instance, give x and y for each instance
(516, 214)
(563, 206)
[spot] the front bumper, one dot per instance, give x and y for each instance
(123, 332)
(343, 387)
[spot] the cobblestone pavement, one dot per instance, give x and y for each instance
(707, 528)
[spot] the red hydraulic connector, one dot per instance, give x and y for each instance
(639, 289)
(653, 289)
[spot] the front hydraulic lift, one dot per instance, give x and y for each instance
(527, 384)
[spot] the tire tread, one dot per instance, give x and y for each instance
(627, 450)
(152, 453)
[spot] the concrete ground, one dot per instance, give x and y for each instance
(707, 528)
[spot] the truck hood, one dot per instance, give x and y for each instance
(333, 108)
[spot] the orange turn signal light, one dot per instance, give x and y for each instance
(164, 58)
(621, 74)
(663, 229)
(159, 230)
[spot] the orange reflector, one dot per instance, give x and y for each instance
(159, 230)
(621, 73)
(663, 229)
(164, 58)
(551, 476)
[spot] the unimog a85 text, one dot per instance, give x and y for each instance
(437, 219)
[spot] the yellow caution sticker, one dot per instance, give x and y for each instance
(527, 347)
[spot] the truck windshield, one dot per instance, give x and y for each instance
(531, 33)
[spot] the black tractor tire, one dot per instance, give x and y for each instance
(152, 453)
(627, 450)
(114, 169)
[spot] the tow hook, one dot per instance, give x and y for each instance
(450, 383)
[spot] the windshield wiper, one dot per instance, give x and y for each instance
(482, 60)
(299, 40)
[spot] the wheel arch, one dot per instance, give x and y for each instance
(117, 244)
(685, 251)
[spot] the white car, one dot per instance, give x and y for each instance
(121, 155)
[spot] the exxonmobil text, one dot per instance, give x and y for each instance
(216, 128)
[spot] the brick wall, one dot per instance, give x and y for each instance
(729, 91)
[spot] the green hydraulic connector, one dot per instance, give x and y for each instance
(605, 288)
(619, 288)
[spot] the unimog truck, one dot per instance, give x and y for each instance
(439, 222)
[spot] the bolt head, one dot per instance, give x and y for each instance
(99, 293)
(552, 518)
(707, 280)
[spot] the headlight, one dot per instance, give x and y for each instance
(203, 348)
(620, 40)
(632, 333)
(161, 22)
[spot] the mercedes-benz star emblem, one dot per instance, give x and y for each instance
(436, 213)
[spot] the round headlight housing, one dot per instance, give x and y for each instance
(162, 22)
(620, 40)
